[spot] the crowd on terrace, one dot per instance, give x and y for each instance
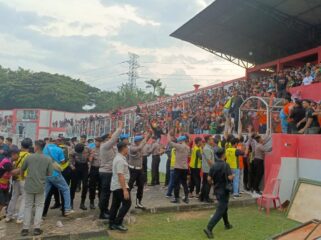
(209, 110)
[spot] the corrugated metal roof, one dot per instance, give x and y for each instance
(256, 31)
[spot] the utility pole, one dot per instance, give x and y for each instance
(132, 69)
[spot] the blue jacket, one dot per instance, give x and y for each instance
(5, 149)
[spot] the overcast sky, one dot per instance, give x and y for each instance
(88, 39)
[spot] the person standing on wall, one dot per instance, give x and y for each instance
(221, 176)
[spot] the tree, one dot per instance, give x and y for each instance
(155, 84)
(161, 91)
(26, 89)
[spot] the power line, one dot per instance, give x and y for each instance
(132, 69)
(169, 63)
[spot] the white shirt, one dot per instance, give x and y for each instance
(120, 165)
(307, 80)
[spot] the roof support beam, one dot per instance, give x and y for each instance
(238, 62)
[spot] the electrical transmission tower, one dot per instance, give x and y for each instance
(132, 69)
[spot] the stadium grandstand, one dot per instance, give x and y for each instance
(278, 43)
(280, 53)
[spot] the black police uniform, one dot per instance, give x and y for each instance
(219, 173)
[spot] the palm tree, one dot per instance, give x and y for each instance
(161, 91)
(155, 84)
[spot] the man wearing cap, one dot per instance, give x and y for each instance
(124, 138)
(181, 168)
(91, 144)
(107, 155)
(94, 172)
(135, 165)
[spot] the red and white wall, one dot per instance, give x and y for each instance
(37, 123)
(293, 157)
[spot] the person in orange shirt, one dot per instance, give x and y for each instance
(287, 109)
(276, 123)
(262, 118)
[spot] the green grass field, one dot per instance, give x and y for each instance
(161, 177)
(248, 223)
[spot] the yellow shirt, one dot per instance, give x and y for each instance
(173, 157)
(18, 164)
(231, 157)
(195, 162)
(228, 104)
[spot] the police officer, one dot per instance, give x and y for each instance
(79, 165)
(107, 155)
(94, 181)
(182, 151)
(124, 138)
(146, 153)
(156, 152)
(221, 176)
(135, 165)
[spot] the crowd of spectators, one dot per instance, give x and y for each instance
(215, 110)
(5, 123)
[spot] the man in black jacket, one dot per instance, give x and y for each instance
(220, 175)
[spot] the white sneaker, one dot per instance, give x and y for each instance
(19, 221)
(8, 219)
(67, 213)
(139, 205)
(255, 195)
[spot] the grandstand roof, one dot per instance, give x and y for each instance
(255, 31)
